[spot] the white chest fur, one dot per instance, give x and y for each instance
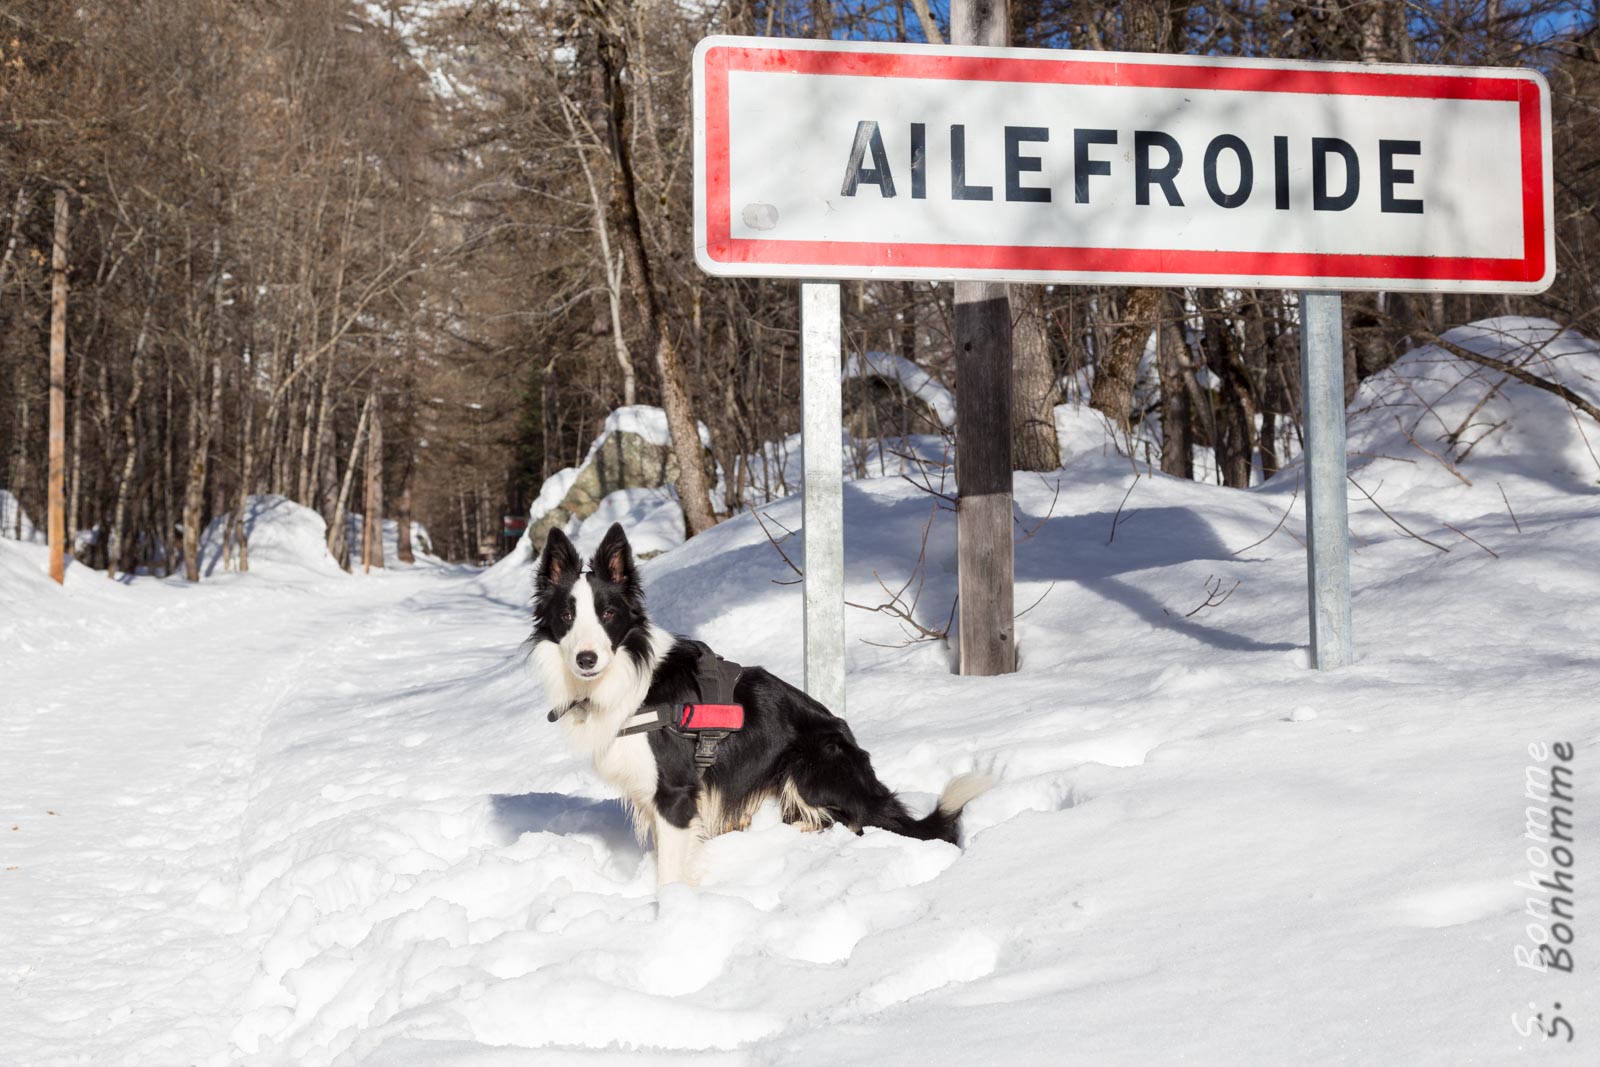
(626, 763)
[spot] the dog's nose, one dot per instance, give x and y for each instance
(587, 660)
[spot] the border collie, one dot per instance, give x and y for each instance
(601, 659)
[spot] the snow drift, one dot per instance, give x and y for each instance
(283, 536)
(369, 847)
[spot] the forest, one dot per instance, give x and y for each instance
(403, 257)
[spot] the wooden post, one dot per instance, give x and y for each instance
(56, 503)
(986, 553)
(1327, 496)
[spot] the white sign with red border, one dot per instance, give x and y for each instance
(818, 159)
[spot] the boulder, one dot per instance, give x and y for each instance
(634, 451)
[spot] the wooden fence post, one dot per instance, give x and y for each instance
(56, 504)
(986, 552)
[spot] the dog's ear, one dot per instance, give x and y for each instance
(558, 560)
(614, 560)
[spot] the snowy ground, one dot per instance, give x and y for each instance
(295, 817)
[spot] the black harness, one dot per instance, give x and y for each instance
(707, 722)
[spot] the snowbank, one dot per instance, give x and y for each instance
(912, 378)
(421, 542)
(338, 829)
(652, 517)
(283, 535)
(1450, 420)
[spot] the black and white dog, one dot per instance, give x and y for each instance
(601, 659)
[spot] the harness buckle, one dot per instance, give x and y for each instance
(705, 747)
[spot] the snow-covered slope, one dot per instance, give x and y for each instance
(333, 826)
(283, 536)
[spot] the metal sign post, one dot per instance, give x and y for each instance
(822, 499)
(1327, 500)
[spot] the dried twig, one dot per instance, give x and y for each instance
(1409, 532)
(1214, 597)
(1574, 401)
(903, 611)
(1474, 540)
(800, 574)
(946, 499)
(1446, 464)
(1118, 515)
(1281, 520)
(1027, 535)
(1513, 514)
(1454, 436)
(1482, 437)
(1035, 604)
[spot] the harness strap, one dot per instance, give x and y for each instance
(708, 721)
(693, 718)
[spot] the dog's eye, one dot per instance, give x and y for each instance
(566, 616)
(609, 614)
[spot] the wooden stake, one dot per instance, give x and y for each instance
(986, 553)
(56, 503)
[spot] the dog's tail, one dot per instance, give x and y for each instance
(944, 820)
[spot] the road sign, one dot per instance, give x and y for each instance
(823, 159)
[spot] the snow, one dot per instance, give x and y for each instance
(552, 493)
(652, 509)
(15, 521)
(305, 819)
(283, 535)
(652, 517)
(421, 543)
(915, 380)
(648, 422)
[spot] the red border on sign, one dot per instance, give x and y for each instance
(722, 247)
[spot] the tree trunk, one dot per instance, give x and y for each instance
(930, 28)
(372, 523)
(247, 469)
(56, 517)
(315, 474)
(1118, 370)
(1236, 425)
(694, 491)
(311, 439)
(403, 526)
(17, 212)
(1034, 394)
(338, 538)
(403, 510)
(168, 518)
(612, 265)
(130, 451)
(1177, 432)
(194, 494)
(130, 431)
(985, 546)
